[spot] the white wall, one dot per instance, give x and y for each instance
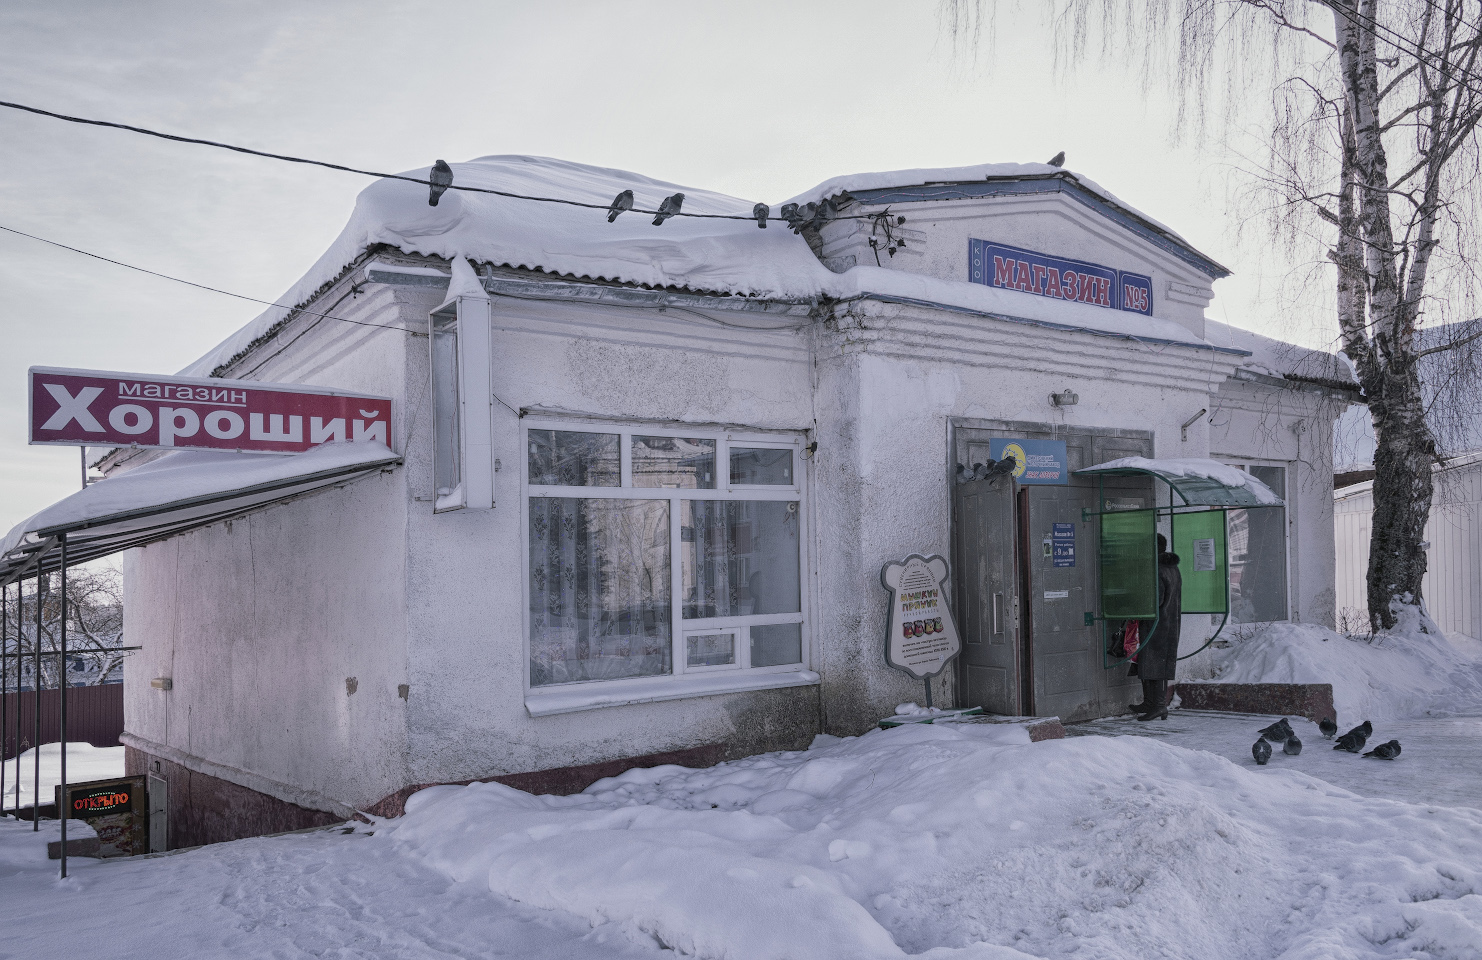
(467, 650)
(259, 622)
(890, 379)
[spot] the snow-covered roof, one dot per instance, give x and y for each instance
(1203, 475)
(926, 176)
(708, 256)
(179, 489)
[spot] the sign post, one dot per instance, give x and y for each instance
(921, 637)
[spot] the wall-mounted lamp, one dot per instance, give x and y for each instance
(1065, 398)
(161, 683)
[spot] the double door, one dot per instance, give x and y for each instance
(1026, 582)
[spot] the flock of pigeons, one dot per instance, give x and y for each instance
(1353, 741)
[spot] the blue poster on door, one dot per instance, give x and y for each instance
(1036, 461)
(1062, 544)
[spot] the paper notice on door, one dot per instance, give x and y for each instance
(1204, 558)
(1056, 594)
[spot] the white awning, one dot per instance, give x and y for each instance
(178, 492)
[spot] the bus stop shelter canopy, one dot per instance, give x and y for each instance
(178, 492)
(1196, 481)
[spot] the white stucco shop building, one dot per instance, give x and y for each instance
(648, 476)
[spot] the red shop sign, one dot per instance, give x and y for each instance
(97, 408)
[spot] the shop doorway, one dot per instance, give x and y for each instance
(1025, 577)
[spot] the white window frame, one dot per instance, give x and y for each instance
(472, 318)
(1290, 510)
(684, 680)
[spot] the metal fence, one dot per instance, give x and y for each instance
(94, 715)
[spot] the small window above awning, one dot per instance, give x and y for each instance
(1198, 482)
(178, 492)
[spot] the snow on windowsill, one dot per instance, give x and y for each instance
(573, 697)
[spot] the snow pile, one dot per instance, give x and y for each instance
(1194, 467)
(951, 841)
(84, 762)
(707, 255)
(1391, 676)
(914, 709)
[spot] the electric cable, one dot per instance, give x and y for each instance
(288, 158)
(189, 283)
(1397, 40)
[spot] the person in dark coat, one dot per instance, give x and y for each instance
(1158, 659)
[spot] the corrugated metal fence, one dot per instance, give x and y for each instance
(1453, 579)
(94, 715)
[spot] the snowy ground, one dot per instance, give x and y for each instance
(1441, 762)
(84, 762)
(886, 845)
(949, 841)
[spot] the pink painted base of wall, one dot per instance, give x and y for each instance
(1311, 700)
(206, 809)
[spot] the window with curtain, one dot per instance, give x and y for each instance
(658, 554)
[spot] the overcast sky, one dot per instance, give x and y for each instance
(757, 99)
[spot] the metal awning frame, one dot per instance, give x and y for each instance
(58, 547)
(1181, 485)
(198, 512)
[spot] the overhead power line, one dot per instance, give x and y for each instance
(437, 184)
(189, 283)
(1404, 44)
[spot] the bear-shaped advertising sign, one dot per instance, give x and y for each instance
(922, 637)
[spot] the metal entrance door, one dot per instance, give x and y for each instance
(988, 607)
(1060, 576)
(1027, 649)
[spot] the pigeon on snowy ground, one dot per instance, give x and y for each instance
(621, 203)
(1385, 751)
(1292, 747)
(1353, 741)
(1279, 731)
(1367, 727)
(1058, 160)
(1261, 750)
(439, 179)
(669, 208)
(1327, 726)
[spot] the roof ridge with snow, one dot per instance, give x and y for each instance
(726, 257)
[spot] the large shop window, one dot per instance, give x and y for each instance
(1258, 554)
(657, 553)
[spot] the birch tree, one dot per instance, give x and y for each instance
(1356, 123)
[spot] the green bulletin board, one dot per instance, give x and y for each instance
(1199, 541)
(1129, 565)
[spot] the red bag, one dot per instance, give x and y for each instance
(1131, 639)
